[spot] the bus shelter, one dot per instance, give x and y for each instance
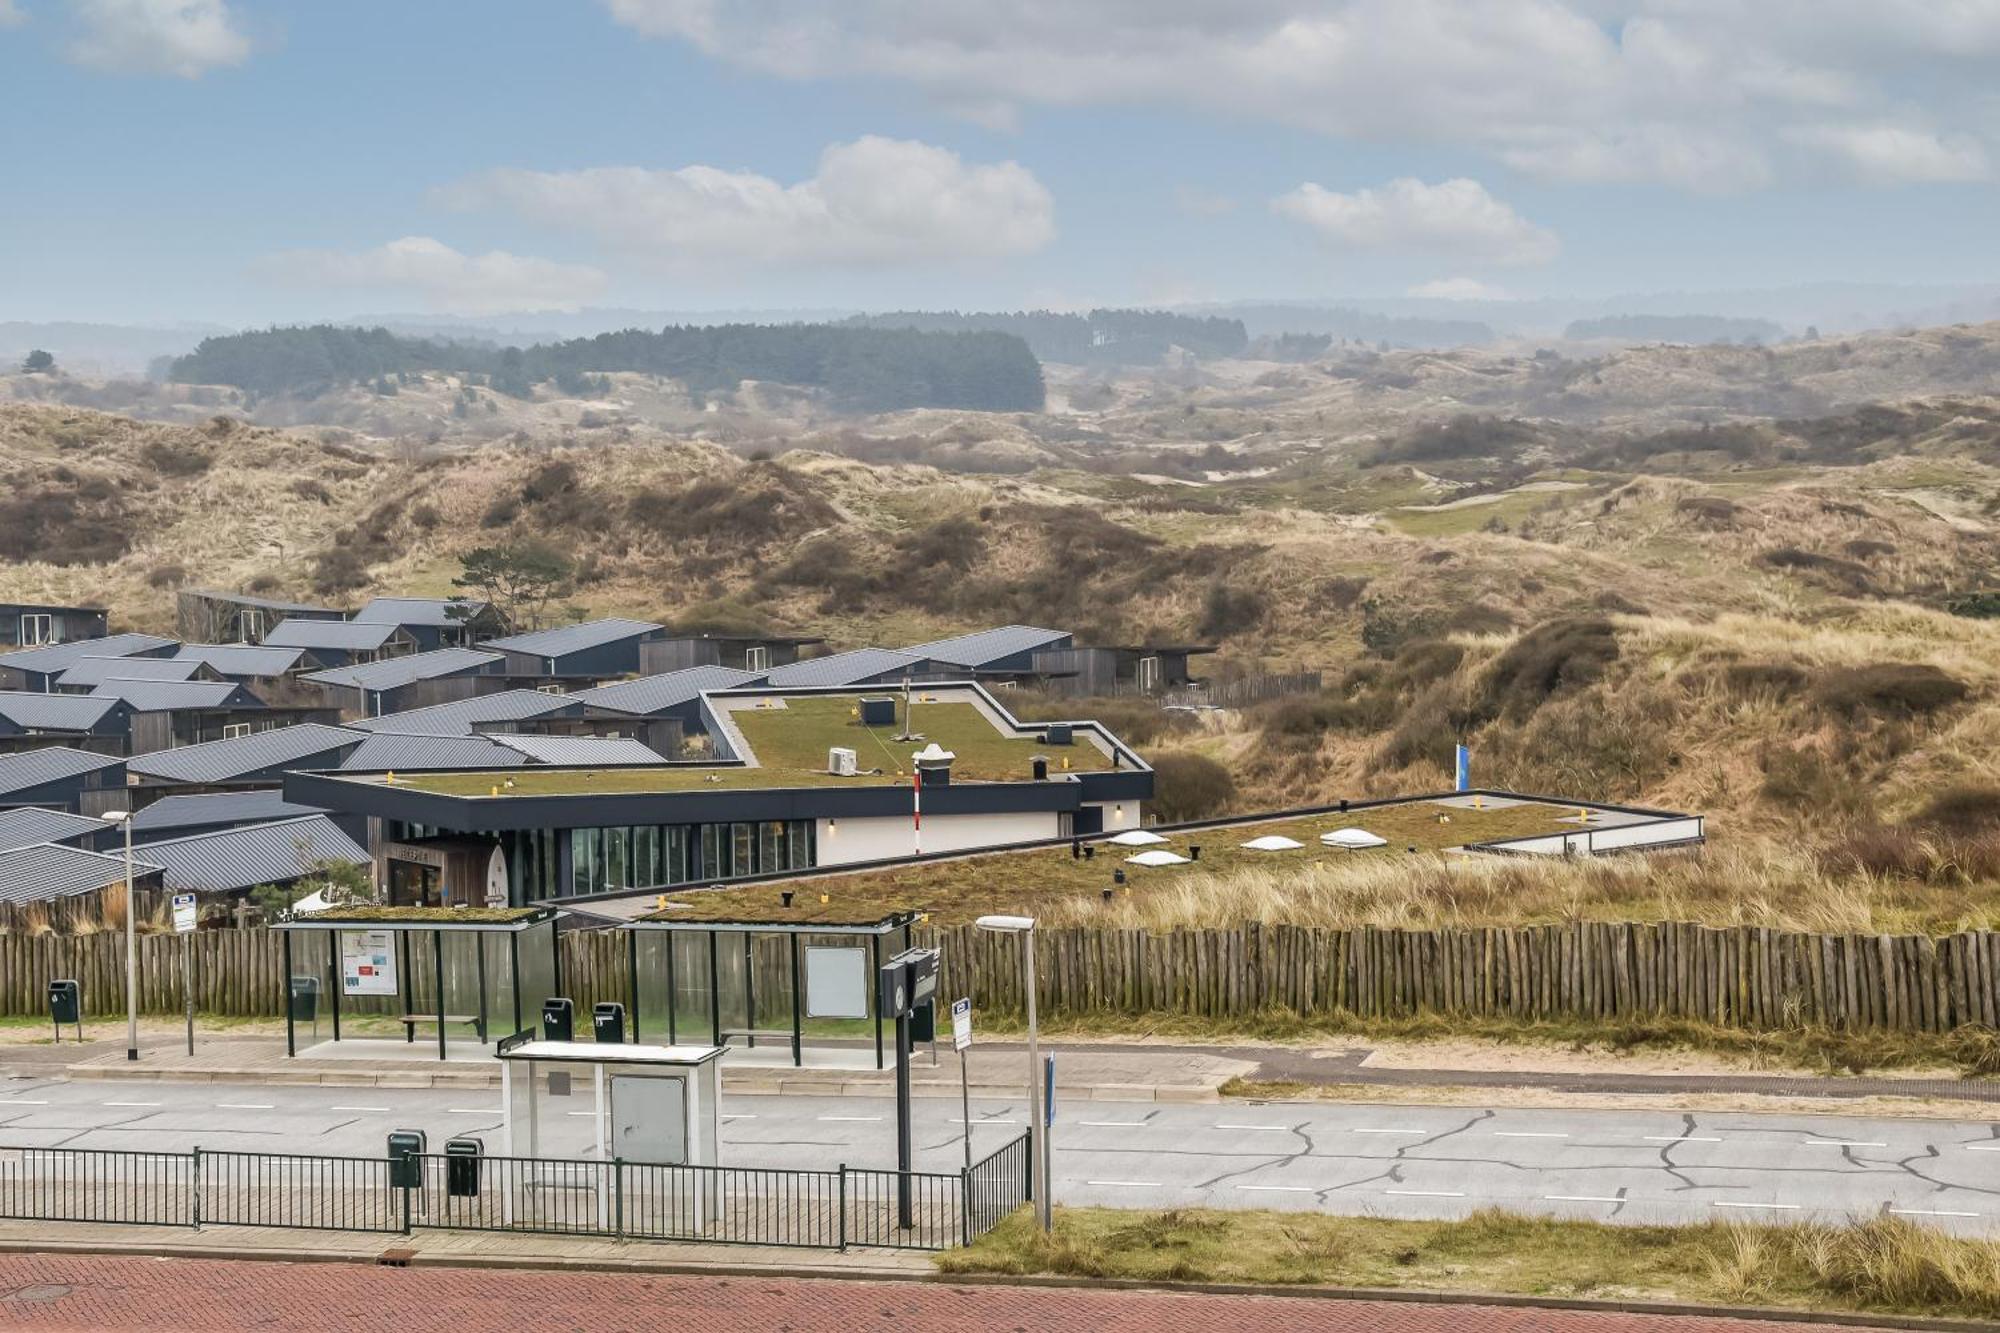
(381, 976)
(794, 987)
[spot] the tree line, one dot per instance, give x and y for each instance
(862, 369)
(1102, 337)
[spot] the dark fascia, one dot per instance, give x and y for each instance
(485, 814)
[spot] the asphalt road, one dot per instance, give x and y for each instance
(1632, 1166)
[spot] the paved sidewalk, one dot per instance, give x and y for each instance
(74, 1292)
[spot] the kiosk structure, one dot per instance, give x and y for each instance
(471, 975)
(636, 1105)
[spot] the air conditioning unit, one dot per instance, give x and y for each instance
(840, 762)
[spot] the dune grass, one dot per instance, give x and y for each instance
(1879, 1265)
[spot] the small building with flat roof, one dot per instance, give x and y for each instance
(207, 616)
(597, 649)
(436, 622)
(749, 653)
(339, 643)
(41, 624)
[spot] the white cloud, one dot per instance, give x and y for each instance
(1454, 217)
(1691, 93)
(1458, 289)
(873, 202)
(183, 38)
(440, 278)
(1894, 155)
(11, 15)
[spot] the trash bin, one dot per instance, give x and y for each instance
(607, 1022)
(406, 1149)
(461, 1167)
(66, 1006)
(558, 1019)
(305, 999)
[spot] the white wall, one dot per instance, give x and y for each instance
(842, 841)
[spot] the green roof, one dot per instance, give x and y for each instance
(422, 916)
(789, 744)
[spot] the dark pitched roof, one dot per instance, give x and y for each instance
(172, 696)
(842, 668)
(50, 870)
(222, 761)
(241, 858)
(345, 634)
(387, 675)
(38, 768)
(245, 659)
(573, 638)
(393, 752)
(60, 656)
(975, 650)
(655, 694)
(434, 611)
(264, 603)
(26, 828)
(460, 716)
(584, 751)
(214, 810)
(88, 671)
(55, 712)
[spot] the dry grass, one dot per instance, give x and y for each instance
(1879, 1265)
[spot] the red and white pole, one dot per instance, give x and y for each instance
(917, 812)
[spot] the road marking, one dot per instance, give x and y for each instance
(1842, 1143)
(989, 1120)
(1982, 1147)
(245, 1106)
(1581, 1198)
(1929, 1212)
(472, 1110)
(1728, 1203)
(131, 1103)
(1417, 1132)
(379, 1110)
(21, 1101)
(1110, 1124)
(582, 1113)
(739, 1117)
(1525, 1134)
(1127, 1184)
(850, 1119)
(1679, 1138)
(1282, 1129)
(1429, 1194)
(1288, 1189)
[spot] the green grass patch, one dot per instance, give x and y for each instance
(1882, 1265)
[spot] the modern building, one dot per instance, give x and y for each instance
(205, 616)
(51, 871)
(60, 778)
(436, 622)
(673, 697)
(232, 860)
(754, 654)
(31, 826)
(1134, 669)
(483, 712)
(36, 669)
(1007, 651)
(87, 722)
(266, 667)
(863, 666)
(89, 672)
(260, 759)
(398, 684)
(182, 816)
(338, 643)
(40, 625)
(781, 796)
(595, 649)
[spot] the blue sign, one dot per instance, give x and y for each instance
(1464, 769)
(1049, 1091)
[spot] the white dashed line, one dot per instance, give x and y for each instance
(1282, 1129)
(1581, 1198)
(1418, 1133)
(1429, 1194)
(244, 1106)
(581, 1113)
(1525, 1134)
(1982, 1147)
(1126, 1184)
(131, 1103)
(472, 1110)
(1841, 1143)
(850, 1119)
(739, 1117)
(1929, 1212)
(1679, 1138)
(373, 1110)
(1782, 1207)
(21, 1101)
(1285, 1189)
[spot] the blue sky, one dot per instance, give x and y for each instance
(228, 161)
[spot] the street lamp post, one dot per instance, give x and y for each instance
(1038, 1130)
(131, 941)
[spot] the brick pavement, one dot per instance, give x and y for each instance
(50, 1292)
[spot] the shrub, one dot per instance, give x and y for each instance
(1190, 786)
(1227, 610)
(172, 459)
(337, 570)
(1780, 678)
(1864, 548)
(166, 576)
(309, 488)
(1554, 657)
(1963, 811)
(1710, 511)
(1889, 688)
(1426, 660)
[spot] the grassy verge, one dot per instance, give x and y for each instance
(1881, 1265)
(1974, 1052)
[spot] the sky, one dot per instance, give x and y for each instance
(249, 161)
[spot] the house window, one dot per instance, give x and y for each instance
(37, 629)
(757, 659)
(1149, 674)
(549, 689)
(231, 730)
(249, 625)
